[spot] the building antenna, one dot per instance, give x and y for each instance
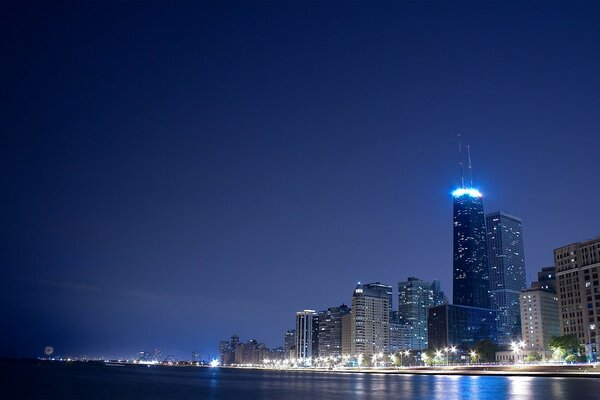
(470, 168)
(460, 163)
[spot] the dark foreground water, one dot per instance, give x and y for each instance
(47, 380)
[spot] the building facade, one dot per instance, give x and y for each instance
(578, 289)
(539, 318)
(460, 326)
(370, 321)
(506, 272)
(415, 296)
(307, 335)
(470, 264)
(330, 330)
(400, 333)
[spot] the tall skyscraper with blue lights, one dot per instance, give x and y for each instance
(507, 272)
(470, 264)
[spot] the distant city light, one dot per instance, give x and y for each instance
(470, 192)
(214, 363)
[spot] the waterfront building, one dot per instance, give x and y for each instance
(307, 335)
(506, 272)
(539, 315)
(289, 344)
(470, 264)
(330, 330)
(578, 289)
(460, 326)
(370, 321)
(415, 296)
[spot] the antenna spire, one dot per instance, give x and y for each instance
(460, 163)
(470, 168)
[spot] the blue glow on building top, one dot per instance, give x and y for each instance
(466, 191)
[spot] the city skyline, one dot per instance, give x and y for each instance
(166, 187)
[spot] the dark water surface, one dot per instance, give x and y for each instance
(53, 380)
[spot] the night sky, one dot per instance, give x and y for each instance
(173, 174)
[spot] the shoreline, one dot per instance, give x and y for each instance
(554, 371)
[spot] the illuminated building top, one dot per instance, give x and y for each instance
(466, 191)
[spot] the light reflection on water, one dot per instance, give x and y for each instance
(92, 381)
(332, 386)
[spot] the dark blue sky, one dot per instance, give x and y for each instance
(176, 173)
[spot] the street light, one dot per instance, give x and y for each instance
(473, 355)
(516, 347)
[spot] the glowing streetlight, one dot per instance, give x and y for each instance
(473, 355)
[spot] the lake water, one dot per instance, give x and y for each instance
(53, 380)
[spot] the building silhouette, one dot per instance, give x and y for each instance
(289, 343)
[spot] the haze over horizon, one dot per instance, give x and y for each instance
(178, 173)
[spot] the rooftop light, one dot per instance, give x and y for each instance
(466, 191)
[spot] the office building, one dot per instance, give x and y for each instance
(400, 333)
(415, 296)
(330, 331)
(307, 336)
(506, 272)
(539, 314)
(470, 264)
(460, 326)
(370, 321)
(578, 289)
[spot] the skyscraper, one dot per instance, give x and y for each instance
(330, 331)
(506, 272)
(307, 331)
(415, 296)
(470, 266)
(370, 318)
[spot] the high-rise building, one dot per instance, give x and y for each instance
(460, 326)
(539, 313)
(578, 289)
(330, 331)
(370, 321)
(506, 272)
(400, 333)
(415, 296)
(307, 334)
(470, 265)
(289, 344)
